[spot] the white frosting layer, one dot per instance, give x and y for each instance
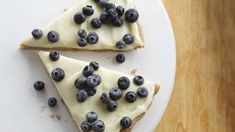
(67, 29)
(73, 70)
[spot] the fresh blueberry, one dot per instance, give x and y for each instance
(88, 70)
(39, 85)
(54, 56)
(80, 83)
(82, 95)
(142, 92)
(95, 65)
(109, 6)
(120, 10)
(92, 38)
(111, 105)
(103, 3)
(79, 18)
(117, 22)
(92, 81)
(52, 101)
(115, 93)
(82, 33)
(120, 44)
(57, 74)
(96, 0)
(131, 15)
(123, 83)
(105, 18)
(82, 42)
(128, 38)
(105, 98)
(53, 36)
(131, 97)
(125, 122)
(98, 126)
(96, 23)
(37, 33)
(91, 91)
(91, 116)
(88, 10)
(138, 80)
(120, 58)
(85, 126)
(112, 12)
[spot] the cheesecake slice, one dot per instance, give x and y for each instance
(65, 28)
(73, 70)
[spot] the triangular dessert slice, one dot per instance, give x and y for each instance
(118, 100)
(91, 25)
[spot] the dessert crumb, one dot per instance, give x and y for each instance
(42, 108)
(56, 116)
(134, 71)
(65, 9)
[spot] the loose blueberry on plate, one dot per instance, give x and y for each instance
(88, 10)
(125, 122)
(103, 3)
(96, 23)
(57, 74)
(52, 101)
(88, 70)
(82, 42)
(142, 92)
(53, 36)
(131, 97)
(120, 58)
(95, 65)
(82, 33)
(105, 18)
(91, 91)
(54, 56)
(112, 12)
(120, 10)
(39, 85)
(115, 93)
(120, 44)
(105, 98)
(85, 126)
(123, 83)
(91, 116)
(81, 95)
(131, 15)
(37, 33)
(79, 18)
(80, 83)
(128, 38)
(117, 22)
(111, 105)
(98, 126)
(138, 80)
(92, 38)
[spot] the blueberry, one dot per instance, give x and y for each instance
(131, 15)
(117, 22)
(95, 65)
(120, 58)
(57, 74)
(120, 44)
(92, 38)
(91, 91)
(39, 85)
(128, 38)
(131, 97)
(93, 80)
(52, 101)
(105, 98)
(115, 93)
(103, 3)
(88, 10)
(111, 105)
(123, 83)
(96, 0)
(91, 116)
(125, 122)
(79, 18)
(54, 56)
(112, 12)
(88, 70)
(81, 95)
(142, 92)
(82, 42)
(85, 126)
(138, 80)
(105, 18)
(80, 83)
(120, 10)
(37, 33)
(109, 6)
(82, 33)
(96, 23)
(53, 36)
(98, 126)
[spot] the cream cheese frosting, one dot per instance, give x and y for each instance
(67, 29)
(66, 89)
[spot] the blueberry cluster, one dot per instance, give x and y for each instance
(87, 84)
(84, 38)
(126, 40)
(92, 123)
(80, 17)
(52, 36)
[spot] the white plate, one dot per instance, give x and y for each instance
(21, 104)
